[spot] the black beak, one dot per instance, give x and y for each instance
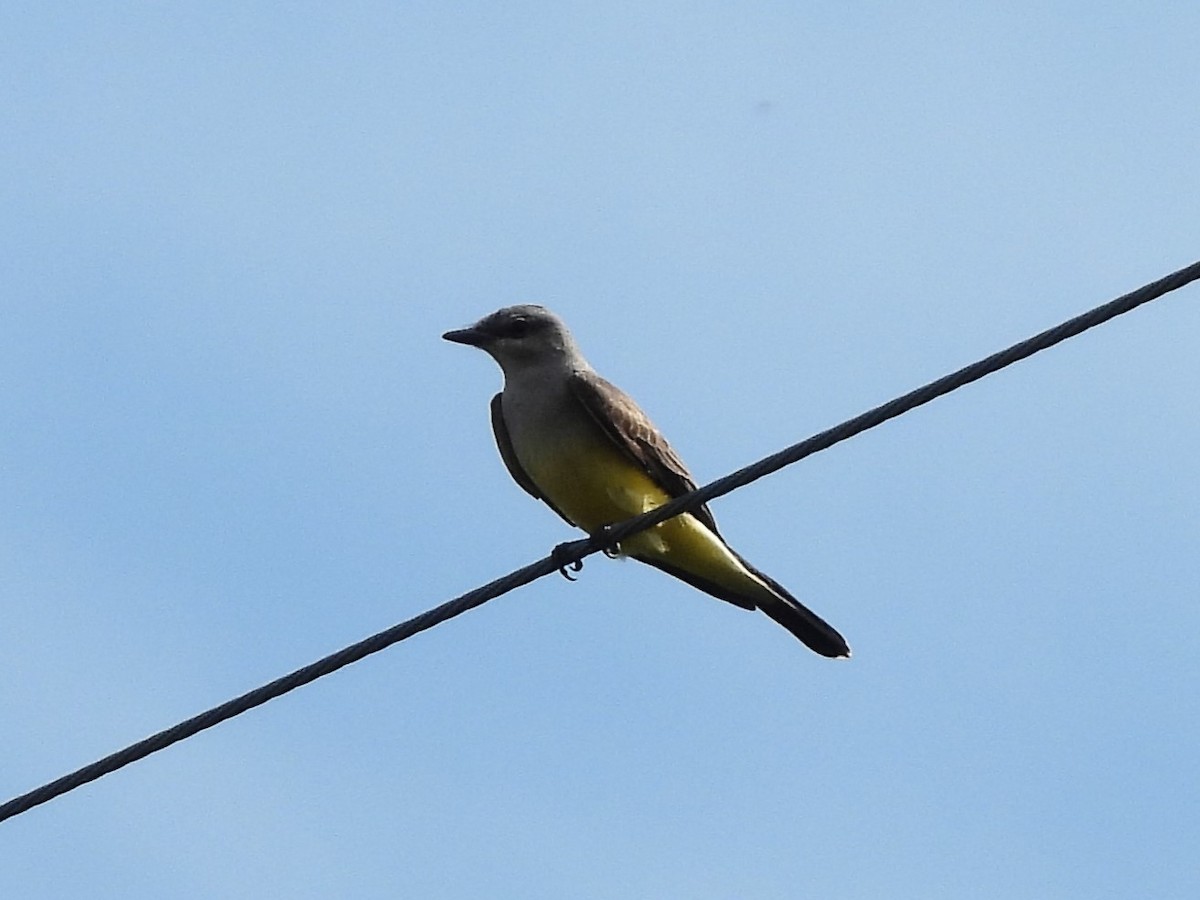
(470, 336)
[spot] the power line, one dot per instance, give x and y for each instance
(576, 551)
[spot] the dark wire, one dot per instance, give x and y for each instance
(576, 551)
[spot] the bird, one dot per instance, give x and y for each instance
(581, 445)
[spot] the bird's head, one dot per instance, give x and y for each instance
(519, 336)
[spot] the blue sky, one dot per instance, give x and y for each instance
(234, 442)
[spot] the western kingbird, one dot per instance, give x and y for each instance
(581, 445)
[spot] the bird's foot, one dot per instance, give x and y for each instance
(560, 553)
(611, 552)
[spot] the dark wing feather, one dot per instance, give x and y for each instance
(635, 435)
(504, 445)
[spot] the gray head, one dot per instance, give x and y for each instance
(520, 336)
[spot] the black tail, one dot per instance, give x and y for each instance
(816, 634)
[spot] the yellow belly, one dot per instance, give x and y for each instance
(597, 485)
(594, 485)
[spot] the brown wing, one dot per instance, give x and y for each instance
(504, 444)
(635, 435)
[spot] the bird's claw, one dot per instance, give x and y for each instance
(566, 566)
(611, 552)
(574, 565)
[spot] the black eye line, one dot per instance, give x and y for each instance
(518, 326)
